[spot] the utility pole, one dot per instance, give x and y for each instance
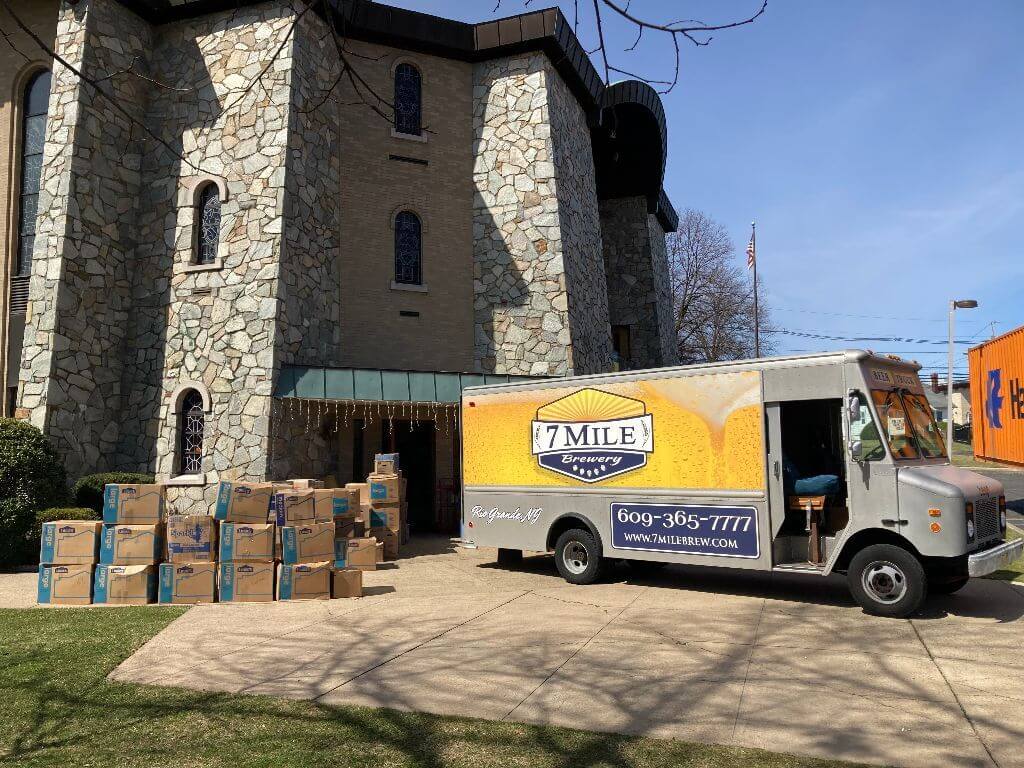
(753, 259)
(954, 305)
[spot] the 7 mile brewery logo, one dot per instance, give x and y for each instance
(593, 435)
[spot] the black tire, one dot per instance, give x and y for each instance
(887, 580)
(949, 587)
(578, 557)
(510, 557)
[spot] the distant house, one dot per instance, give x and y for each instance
(937, 397)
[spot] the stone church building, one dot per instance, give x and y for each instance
(254, 240)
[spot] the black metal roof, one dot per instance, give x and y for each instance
(627, 119)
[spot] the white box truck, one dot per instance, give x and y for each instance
(813, 464)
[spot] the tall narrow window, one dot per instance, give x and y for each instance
(408, 97)
(33, 137)
(192, 421)
(208, 222)
(408, 249)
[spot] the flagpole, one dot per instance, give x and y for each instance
(757, 326)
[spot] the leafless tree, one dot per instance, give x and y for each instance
(713, 299)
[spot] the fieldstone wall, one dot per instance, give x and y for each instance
(218, 325)
(540, 304)
(73, 354)
(580, 224)
(520, 301)
(636, 271)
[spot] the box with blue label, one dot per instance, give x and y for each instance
(385, 515)
(246, 583)
(70, 542)
(295, 507)
(385, 488)
(191, 539)
(124, 584)
(133, 504)
(386, 464)
(132, 544)
(332, 503)
(304, 581)
(65, 584)
(307, 543)
(187, 583)
(247, 542)
(245, 502)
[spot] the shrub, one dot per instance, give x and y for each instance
(52, 514)
(88, 491)
(31, 478)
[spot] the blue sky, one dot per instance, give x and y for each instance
(879, 146)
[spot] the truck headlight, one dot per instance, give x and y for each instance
(1002, 514)
(970, 529)
(969, 513)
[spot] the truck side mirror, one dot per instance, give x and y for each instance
(856, 451)
(853, 407)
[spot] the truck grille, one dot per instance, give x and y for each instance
(986, 518)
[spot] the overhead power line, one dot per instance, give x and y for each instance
(875, 339)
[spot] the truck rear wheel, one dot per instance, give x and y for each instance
(578, 557)
(887, 580)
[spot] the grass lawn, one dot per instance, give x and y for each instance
(963, 456)
(57, 709)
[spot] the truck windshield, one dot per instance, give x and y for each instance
(929, 437)
(908, 424)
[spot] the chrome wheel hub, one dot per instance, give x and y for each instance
(885, 582)
(575, 557)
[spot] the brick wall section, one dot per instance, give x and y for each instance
(374, 188)
(636, 271)
(79, 291)
(41, 17)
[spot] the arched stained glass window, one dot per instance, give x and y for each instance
(408, 98)
(33, 138)
(192, 422)
(208, 221)
(408, 249)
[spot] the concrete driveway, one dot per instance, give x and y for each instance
(786, 664)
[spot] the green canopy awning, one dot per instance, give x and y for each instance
(316, 383)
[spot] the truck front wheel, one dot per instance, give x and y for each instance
(578, 557)
(887, 580)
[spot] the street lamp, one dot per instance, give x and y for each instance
(954, 305)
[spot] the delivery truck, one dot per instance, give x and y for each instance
(809, 464)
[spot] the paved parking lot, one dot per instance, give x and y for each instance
(783, 663)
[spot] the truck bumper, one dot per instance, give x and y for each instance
(990, 560)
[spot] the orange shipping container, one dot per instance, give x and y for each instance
(997, 397)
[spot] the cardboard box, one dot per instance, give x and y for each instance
(311, 543)
(390, 540)
(306, 484)
(385, 488)
(133, 504)
(305, 581)
(340, 551)
(187, 583)
(247, 542)
(191, 539)
(70, 542)
(132, 544)
(332, 503)
(294, 507)
(363, 489)
(65, 584)
(361, 553)
(379, 552)
(386, 464)
(246, 583)
(348, 527)
(124, 584)
(244, 502)
(347, 582)
(385, 515)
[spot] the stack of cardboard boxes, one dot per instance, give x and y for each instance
(290, 540)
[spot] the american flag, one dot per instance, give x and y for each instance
(751, 256)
